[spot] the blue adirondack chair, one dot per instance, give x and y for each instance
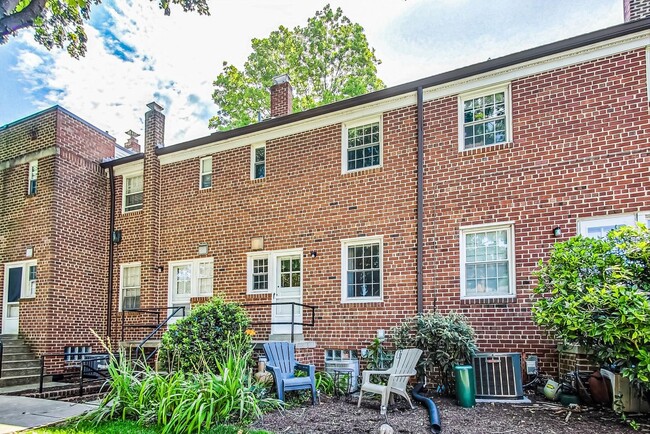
(282, 364)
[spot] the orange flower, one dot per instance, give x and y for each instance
(250, 332)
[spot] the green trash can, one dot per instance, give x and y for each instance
(465, 386)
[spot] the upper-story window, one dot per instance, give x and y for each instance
(362, 269)
(484, 118)
(487, 261)
(205, 180)
(258, 161)
(133, 188)
(362, 142)
(32, 178)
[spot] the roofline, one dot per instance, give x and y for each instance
(117, 161)
(58, 108)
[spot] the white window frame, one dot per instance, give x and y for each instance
(253, 162)
(344, 268)
(32, 178)
(194, 279)
(203, 174)
(489, 227)
(614, 219)
(26, 284)
(124, 178)
(344, 142)
(506, 88)
(272, 256)
(122, 268)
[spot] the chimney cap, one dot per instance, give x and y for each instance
(132, 134)
(279, 79)
(154, 106)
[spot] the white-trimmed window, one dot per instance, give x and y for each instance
(487, 265)
(600, 226)
(130, 286)
(30, 287)
(132, 192)
(362, 269)
(258, 273)
(187, 279)
(258, 161)
(484, 118)
(205, 177)
(32, 177)
(362, 144)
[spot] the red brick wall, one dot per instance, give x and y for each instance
(580, 149)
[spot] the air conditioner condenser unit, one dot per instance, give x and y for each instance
(498, 375)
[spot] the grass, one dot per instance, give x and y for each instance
(130, 427)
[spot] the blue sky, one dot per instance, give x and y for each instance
(136, 54)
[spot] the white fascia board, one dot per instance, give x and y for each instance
(491, 78)
(129, 168)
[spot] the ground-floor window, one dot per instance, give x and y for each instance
(487, 261)
(598, 227)
(130, 286)
(362, 269)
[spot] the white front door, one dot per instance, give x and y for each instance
(181, 287)
(10, 307)
(288, 289)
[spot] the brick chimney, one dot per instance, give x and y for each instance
(281, 96)
(154, 127)
(132, 143)
(636, 9)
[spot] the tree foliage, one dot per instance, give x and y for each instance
(596, 293)
(327, 60)
(60, 23)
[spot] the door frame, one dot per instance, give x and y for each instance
(274, 258)
(5, 293)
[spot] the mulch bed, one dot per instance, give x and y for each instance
(334, 415)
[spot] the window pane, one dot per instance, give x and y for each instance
(206, 181)
(486, 263)
(364, 270)
(206, 165)
(363, 146)
(295, 280)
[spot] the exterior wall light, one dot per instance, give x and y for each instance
(116, 236)
(203, 249)
(557, 231)
(257, 243)
(313, 253)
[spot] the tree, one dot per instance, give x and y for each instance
(596, 293)
(327, 60)
(60, 23)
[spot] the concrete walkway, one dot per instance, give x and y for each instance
(18, 412)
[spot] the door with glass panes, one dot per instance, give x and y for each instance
(288, 289)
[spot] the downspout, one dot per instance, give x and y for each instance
(420, 199)
(109, 311)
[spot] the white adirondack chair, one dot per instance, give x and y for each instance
(398, 375)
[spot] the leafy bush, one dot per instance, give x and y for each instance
(596, 294)
(181, 401)
(200, 341)
(445, 341)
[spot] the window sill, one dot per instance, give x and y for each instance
(133, 212)
(205, 189)
(487, 148)
(362, 300)
(258, 180)
(503, 299)
(27, 298)
(364, 171)
(254, 293)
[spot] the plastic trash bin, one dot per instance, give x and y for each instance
(465, 386)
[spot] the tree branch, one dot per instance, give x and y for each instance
(25, 18)
(7, 6)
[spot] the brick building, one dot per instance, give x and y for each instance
(441, 194)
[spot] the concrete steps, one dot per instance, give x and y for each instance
(19, 365)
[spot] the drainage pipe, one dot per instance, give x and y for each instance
(434, 416)
(111, 229)
(420, 200)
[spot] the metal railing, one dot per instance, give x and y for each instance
(293, 322)
(1, 351)
(88, 366)
(156, 327)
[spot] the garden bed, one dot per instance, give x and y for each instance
(340, 416)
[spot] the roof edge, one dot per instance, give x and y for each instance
(552, 48)
(117, 161)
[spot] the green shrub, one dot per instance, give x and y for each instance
(595, 293)
(200, 341)
(445, 341)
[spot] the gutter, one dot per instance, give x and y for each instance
(111, 228)
(420, 200)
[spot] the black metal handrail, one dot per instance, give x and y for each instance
(88, 362)
(139, 348)
(1, 351)
(154, 311)
(293, 323)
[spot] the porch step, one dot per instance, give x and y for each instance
(17, 356)
(153, 343)
(19, 380)
(14, 347)
(21, 363)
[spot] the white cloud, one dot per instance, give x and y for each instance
(136, 54)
